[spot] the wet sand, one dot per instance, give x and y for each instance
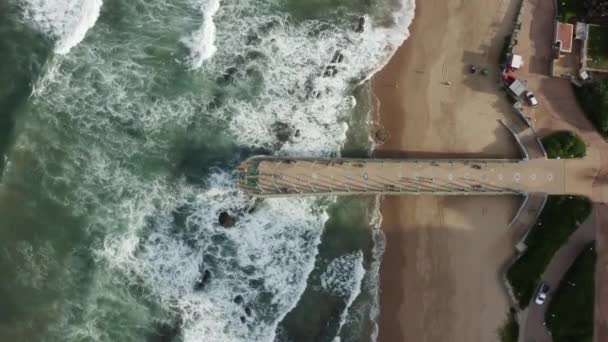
(440, 277)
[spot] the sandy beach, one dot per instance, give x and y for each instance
(440, 277)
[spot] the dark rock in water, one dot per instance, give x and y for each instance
(297, 133)
(243, 319)
(309, 87)
(381, 135)
(226, 220)
(282, 131)
(238, 299)
(360, 25)
(228, 76)
(253, 206)
(203, 281)
(206, 276)
(330, 71)
(336, 56)
(248, 311)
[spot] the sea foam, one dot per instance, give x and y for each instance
(65, 21)
(202, 41)
(112, 111)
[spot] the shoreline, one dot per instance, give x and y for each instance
(428, 289)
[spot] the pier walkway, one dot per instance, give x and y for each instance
(275, 177)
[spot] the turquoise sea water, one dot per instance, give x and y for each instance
(120, 123)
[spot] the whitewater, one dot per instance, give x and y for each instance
(122, 161)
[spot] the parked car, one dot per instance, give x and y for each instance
(531, 98)
(541, 295)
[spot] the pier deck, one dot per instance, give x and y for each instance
(272, 177)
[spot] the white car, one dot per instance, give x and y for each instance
(531, 98)
(541, 295)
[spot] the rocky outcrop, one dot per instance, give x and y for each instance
(226, 220)
(360, 25)
(282, 131)
(381, 135)
(203, 281)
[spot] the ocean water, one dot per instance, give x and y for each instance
(120, 124)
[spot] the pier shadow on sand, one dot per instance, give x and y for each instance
(430, 271)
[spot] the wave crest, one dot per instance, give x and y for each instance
(65, 21)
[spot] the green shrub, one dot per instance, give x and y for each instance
(509, 331)
(570, 313)
(504, 53)
(558, 220)
(564, 145)
(568, 9)
(593, 98)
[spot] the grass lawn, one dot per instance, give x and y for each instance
(568, 9)
(597, 53)
(593, 98)
(564, 145)
(560, 217)
(570, 313)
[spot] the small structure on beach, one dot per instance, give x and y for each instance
(516, 61)
(517, 88)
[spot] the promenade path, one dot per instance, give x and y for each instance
(559, 265)
(558, 110)
(276, 177)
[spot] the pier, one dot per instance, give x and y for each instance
(280, 177)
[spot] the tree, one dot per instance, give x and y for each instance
(594, 100)
(595, 11)
(564, 145)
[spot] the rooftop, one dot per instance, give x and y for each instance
(565, 33)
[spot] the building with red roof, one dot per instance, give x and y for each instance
(564, 36)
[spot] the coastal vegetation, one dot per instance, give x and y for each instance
(570, 313)
(560, 217)
(597, 52)
(564, 145)
(589, 11)
(568, 9)
(504, 53)
(593, 98)
(509, 331)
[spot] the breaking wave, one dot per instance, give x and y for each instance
(65, 21)
(137, 136)
(202, 41)
(343, 278)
